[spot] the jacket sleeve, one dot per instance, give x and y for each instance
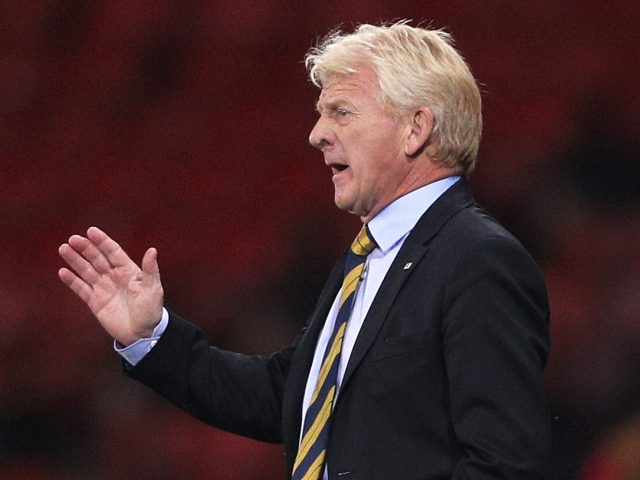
(495, 343)
(237, 393)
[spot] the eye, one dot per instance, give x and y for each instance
(341, 114)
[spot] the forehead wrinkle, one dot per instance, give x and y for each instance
(362, 84)
(334, 100)
(347, 86)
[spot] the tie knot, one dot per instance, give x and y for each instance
(364, 243)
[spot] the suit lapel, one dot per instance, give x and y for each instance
(411, 253)
(300, 366)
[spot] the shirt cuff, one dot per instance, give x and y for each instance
(138, 349)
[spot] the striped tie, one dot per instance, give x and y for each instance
(310, 459)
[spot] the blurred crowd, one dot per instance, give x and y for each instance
(183, 125)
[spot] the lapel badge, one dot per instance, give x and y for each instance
(408, 266)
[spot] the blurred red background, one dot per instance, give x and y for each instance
(183, 125)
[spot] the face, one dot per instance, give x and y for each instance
(362, 143)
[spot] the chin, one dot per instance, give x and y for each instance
(348, 204)
(343, 205)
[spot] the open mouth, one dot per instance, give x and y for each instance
(338, 167)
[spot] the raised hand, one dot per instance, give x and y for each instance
(126, 300)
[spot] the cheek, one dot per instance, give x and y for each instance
(371, 154)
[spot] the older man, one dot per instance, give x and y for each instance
(423, 358)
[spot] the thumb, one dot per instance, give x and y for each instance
(150, 269)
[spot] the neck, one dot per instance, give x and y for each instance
(411, 183)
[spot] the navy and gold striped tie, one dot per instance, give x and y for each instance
(310, 459)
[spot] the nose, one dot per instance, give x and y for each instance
(322, 135)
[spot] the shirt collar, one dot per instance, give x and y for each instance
(398, 218)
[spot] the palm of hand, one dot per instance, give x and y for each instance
(125, 299)
(119, 298)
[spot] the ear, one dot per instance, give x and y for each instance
(419, 128)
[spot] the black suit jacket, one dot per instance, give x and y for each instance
(445, 378)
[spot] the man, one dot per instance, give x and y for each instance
(423, 358)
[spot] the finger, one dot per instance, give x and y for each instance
(150, 269)
(79, 264)
(76, 284)
(115, 254)
(90, 252)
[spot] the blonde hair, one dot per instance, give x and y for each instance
(415, 67)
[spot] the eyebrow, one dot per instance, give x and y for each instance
(333, 104)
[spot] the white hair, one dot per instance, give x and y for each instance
(415, 67)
